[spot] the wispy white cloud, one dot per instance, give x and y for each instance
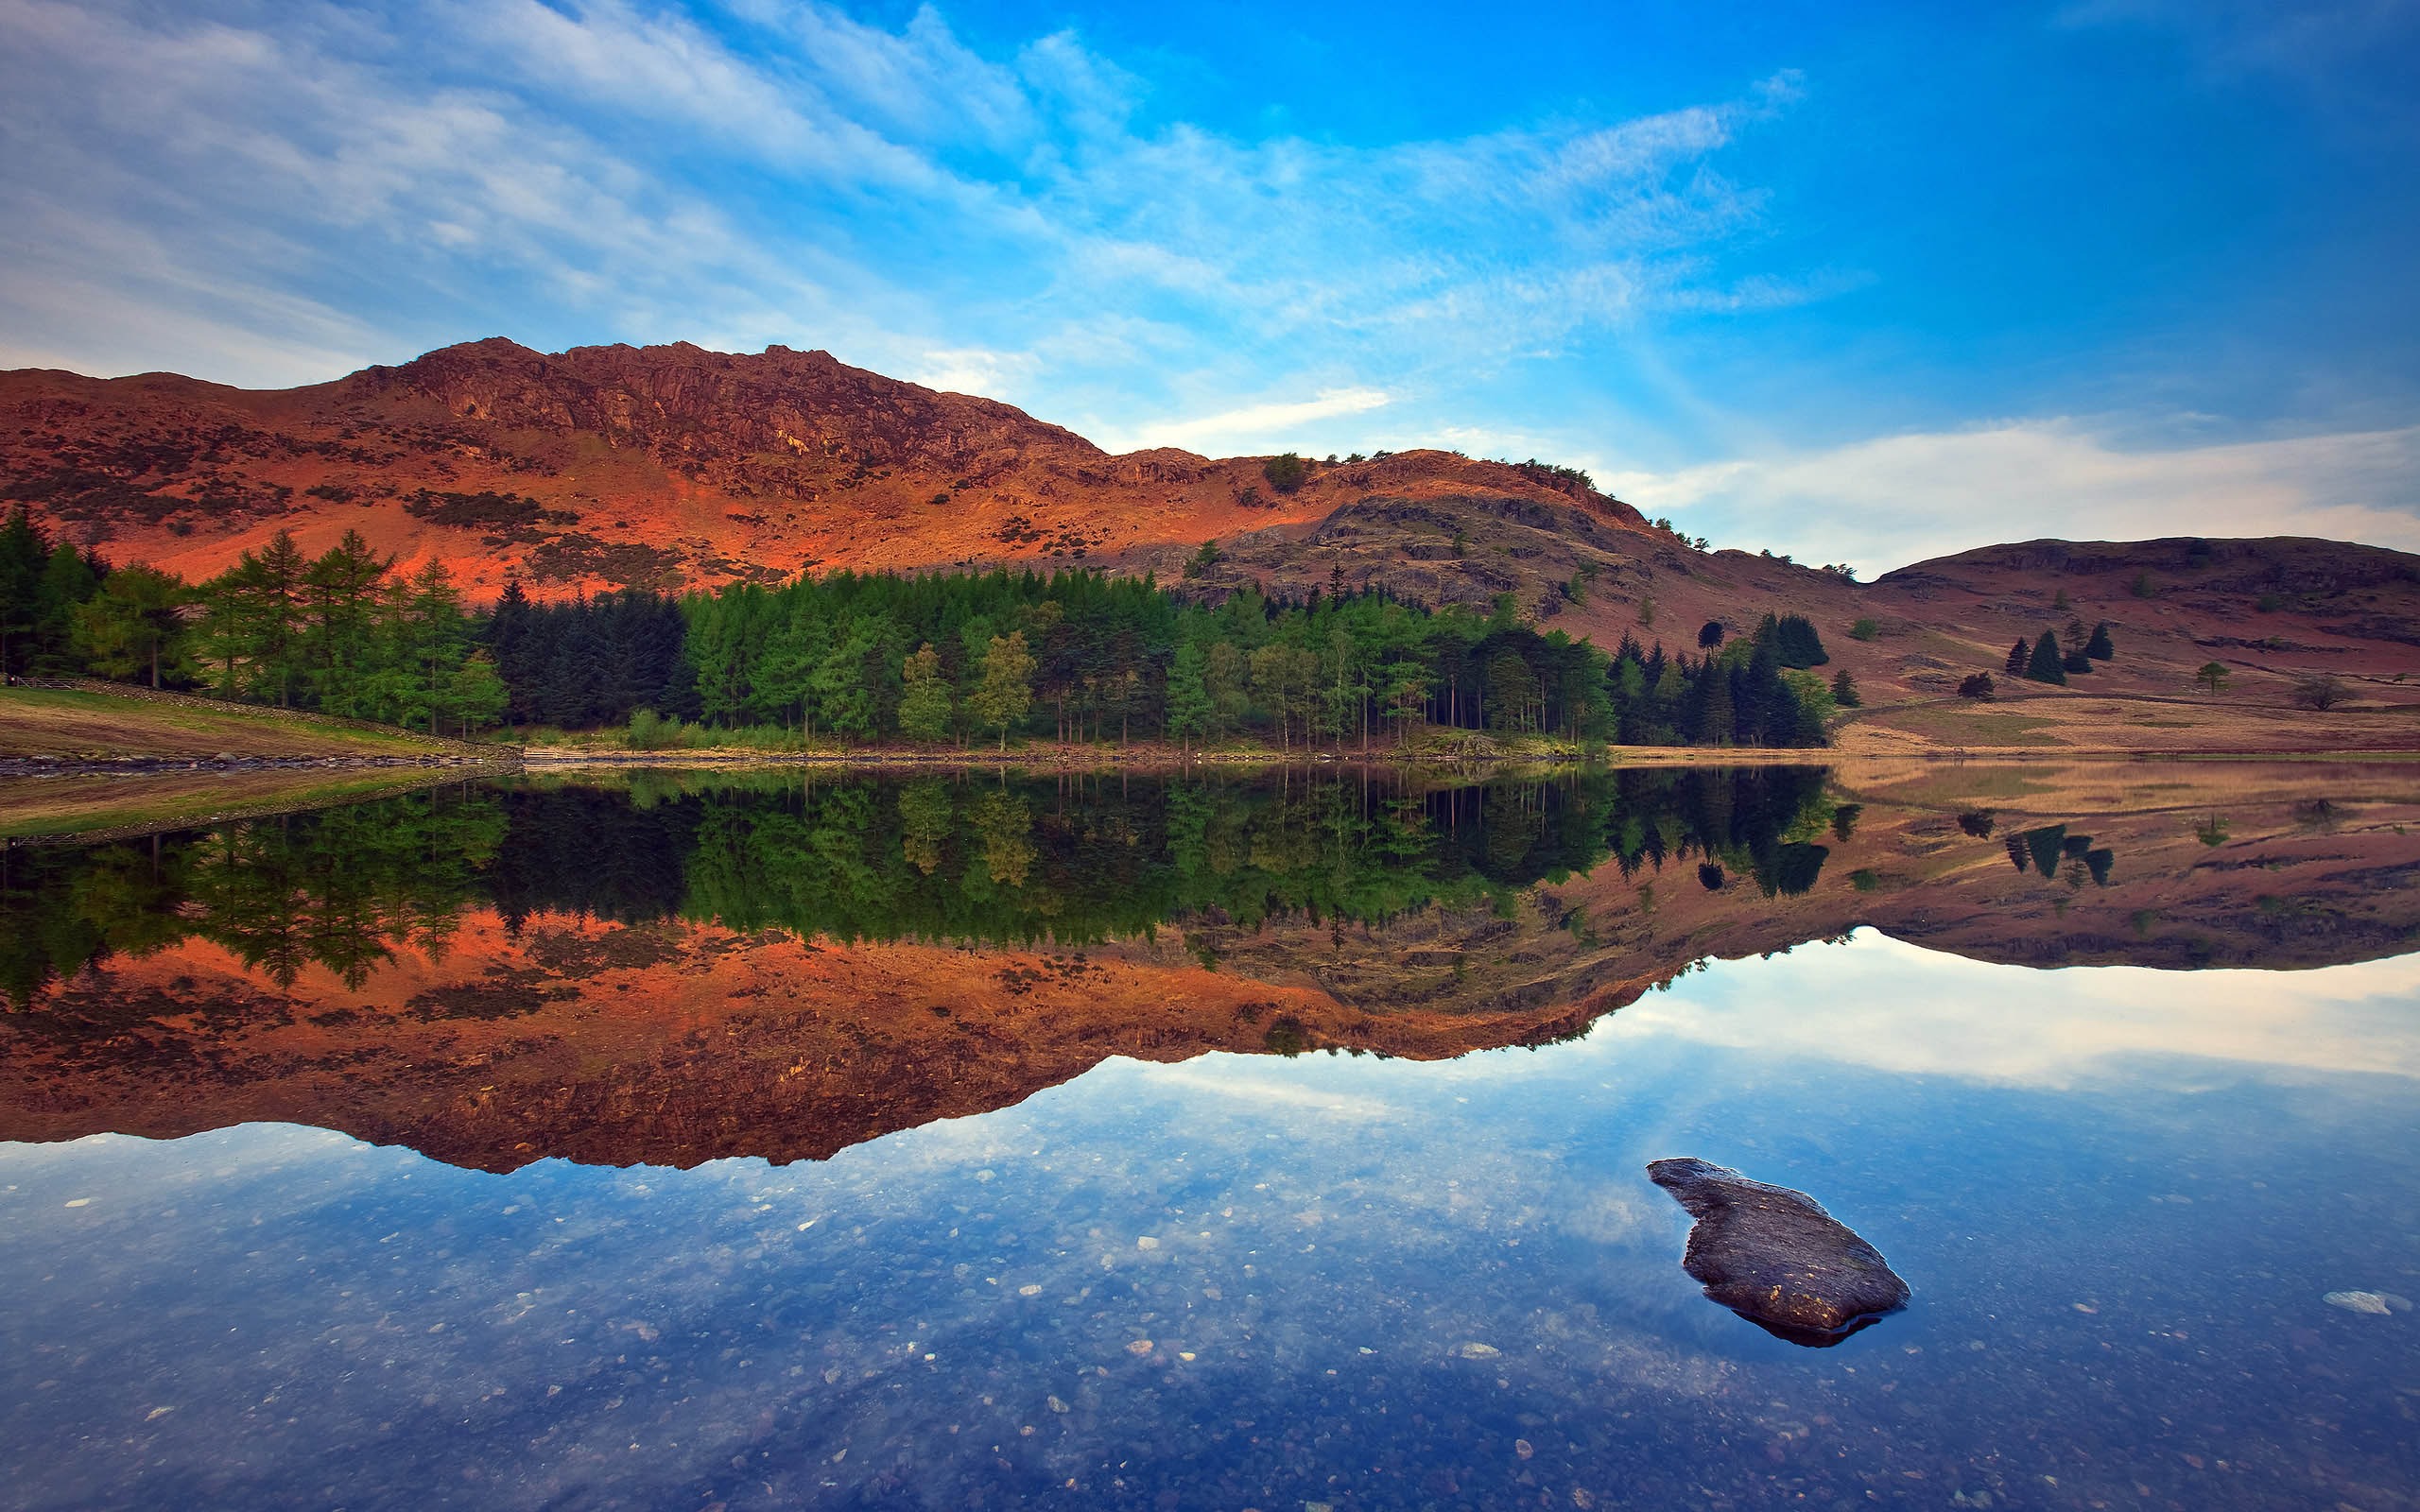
(1255, 428)
(2003, 1024)
(621, 168)
(1898, 499)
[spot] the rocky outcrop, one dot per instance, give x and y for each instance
(1776, 1258)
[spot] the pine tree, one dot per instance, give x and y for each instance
(69, 580)
(1844, 689)
(135, 626)
(1188, 700)
(2046, 664)
(2019, 657)
(2101, 649)
(24, 551)
(513, 638)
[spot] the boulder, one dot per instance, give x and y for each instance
(1776, 1258)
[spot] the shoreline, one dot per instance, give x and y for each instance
(1152, 760)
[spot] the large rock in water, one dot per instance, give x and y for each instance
(1776, 1258)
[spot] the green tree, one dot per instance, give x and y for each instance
(1224, 677)
(475, 694)
(2101, 649)
(1286, 472)
(843, 683)
(134, 625)
(25, 549)
(924, 703)
(925, 821)
(69, 580)
(268, 586)
(1865, 630)
(338, 591)
(1189, 710)
(1844, 689)
(1005, 692)
(2046, 664)
(2211, 675)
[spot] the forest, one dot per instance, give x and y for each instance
(850, 660)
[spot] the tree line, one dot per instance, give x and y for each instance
(342, 632)
(937, 858)
(863, 657)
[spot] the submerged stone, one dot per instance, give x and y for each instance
(1776, 1258)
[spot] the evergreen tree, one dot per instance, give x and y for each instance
(135, 626)
(1844, 689)
(516, 639)
(2046, 664)
(2019, 657)
(25, 550)
(1188, 702)
(69, 580)
(2101, 649)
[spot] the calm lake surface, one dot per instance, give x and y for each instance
(674, 1140)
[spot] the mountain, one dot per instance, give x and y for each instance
(674, 467)
(650, 466)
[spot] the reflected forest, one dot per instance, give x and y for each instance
(961, 859)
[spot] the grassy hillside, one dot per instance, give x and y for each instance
(74, 725)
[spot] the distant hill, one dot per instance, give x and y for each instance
(673, 467)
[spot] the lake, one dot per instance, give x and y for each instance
(679, 1138)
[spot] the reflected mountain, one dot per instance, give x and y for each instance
(668, 968)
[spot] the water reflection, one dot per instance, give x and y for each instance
(672, 968)
(1250, 1281)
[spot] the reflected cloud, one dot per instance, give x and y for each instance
(2050, 1029)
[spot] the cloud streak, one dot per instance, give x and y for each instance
(1900, 499)
(795, 174)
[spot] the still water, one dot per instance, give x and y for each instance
(684, 1142)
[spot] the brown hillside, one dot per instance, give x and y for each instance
(657, 466)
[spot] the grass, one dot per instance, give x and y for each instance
(1970, 727)
(81, 725)
(92, 806)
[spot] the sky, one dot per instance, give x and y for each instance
(1862, 284)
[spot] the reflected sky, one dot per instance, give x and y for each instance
(2121, 1197)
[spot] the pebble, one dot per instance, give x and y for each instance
(1029, 1291)
(2369, 1302)
(1139, 1348)
(1147, 1242)
(1476, 1351)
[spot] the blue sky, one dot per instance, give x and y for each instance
(1855, 282)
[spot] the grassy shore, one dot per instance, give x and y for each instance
(74, 725)
(90, 806)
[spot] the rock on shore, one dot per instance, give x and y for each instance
(1776, 1258)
